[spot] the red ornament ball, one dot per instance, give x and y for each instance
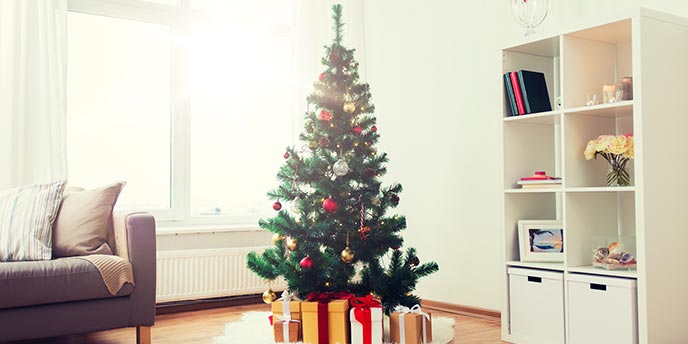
(369, 172)
(286, 155)
(357, 130)
(325, 115)
(306, 262)
(394, 199)
(277, 205)
(330, 205)
(321, 77)
(414, 261)
(374, 129)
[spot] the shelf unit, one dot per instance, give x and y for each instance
(652, 48)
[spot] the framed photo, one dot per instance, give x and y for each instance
(541, 241)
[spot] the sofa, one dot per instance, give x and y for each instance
(66, 296)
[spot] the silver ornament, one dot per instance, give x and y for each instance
(340, 168)
(295, 205)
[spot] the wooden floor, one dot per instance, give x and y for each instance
(202, 326)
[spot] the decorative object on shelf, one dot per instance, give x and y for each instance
(541, 241)
(538, 180)
(617, 150)
(613, 257)
(626, 85)
(529, 13)
(591, 99)
(612, 94)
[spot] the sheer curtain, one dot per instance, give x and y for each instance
(32, 91)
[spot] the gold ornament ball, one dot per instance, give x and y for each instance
(313, 145)
(409, 293)
(347, 255)
(292, 244)
(269, 296)
(277, 237)
(349, 107)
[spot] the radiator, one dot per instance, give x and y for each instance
(207, 273)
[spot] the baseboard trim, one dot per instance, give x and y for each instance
(475, 312)
(202, 304)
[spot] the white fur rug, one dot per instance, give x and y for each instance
(254, 328)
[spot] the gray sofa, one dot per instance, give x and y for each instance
(68, 296)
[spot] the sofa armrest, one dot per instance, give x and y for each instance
(135, 241)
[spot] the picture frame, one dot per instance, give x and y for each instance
(541, 240)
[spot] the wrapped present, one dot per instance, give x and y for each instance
(287, 306)
(325, 318)
(287, 331)
(366, 320)
(410, 325)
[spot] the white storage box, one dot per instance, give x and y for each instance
(536, 306)
(602, 309)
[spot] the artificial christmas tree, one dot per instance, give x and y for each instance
(336, 234)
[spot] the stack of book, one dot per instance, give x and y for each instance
(539, 180)
(526, 92)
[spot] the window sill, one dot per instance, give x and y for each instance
(170, 229)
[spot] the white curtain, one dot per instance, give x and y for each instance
(33, 56)
(312, 31)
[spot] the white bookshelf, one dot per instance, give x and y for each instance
(650, 214)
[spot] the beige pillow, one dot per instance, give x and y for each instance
(85, 221)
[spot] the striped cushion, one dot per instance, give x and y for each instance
(26, 217)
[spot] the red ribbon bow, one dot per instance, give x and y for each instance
(362, 313)
(323, 321)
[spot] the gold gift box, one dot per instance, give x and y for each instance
(338, 321)
(294, 327)
(413, 328)
(294, 308)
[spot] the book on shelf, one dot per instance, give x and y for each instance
(516, 85)
(509, 93)
(541, 186)
(534, 91)
(541, 181)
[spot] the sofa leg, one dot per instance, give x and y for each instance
(143, 335)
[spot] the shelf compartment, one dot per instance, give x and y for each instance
(594, 219)
(594, 58)
(589, 269)
(525, 206)
(578, 130)
(528, 148)
(537, 265)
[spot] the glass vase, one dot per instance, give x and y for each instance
(618, 175)
(529, 13)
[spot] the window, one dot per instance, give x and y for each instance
(188, 106)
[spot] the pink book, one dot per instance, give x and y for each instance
(517, 92)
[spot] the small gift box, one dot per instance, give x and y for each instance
(410, 326)
(287, 306)
(287, 331)
(366, 320)
(326, 318)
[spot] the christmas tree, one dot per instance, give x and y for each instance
(337, 234)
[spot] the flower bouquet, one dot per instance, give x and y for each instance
(617, 150)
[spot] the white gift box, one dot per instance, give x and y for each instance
(376, 327)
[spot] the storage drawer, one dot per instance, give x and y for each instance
(536, 306)
(602, 309)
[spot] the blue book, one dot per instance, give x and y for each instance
(534, 90)
(510, 95)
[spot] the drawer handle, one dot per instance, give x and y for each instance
(596, 286)
(534, 279)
